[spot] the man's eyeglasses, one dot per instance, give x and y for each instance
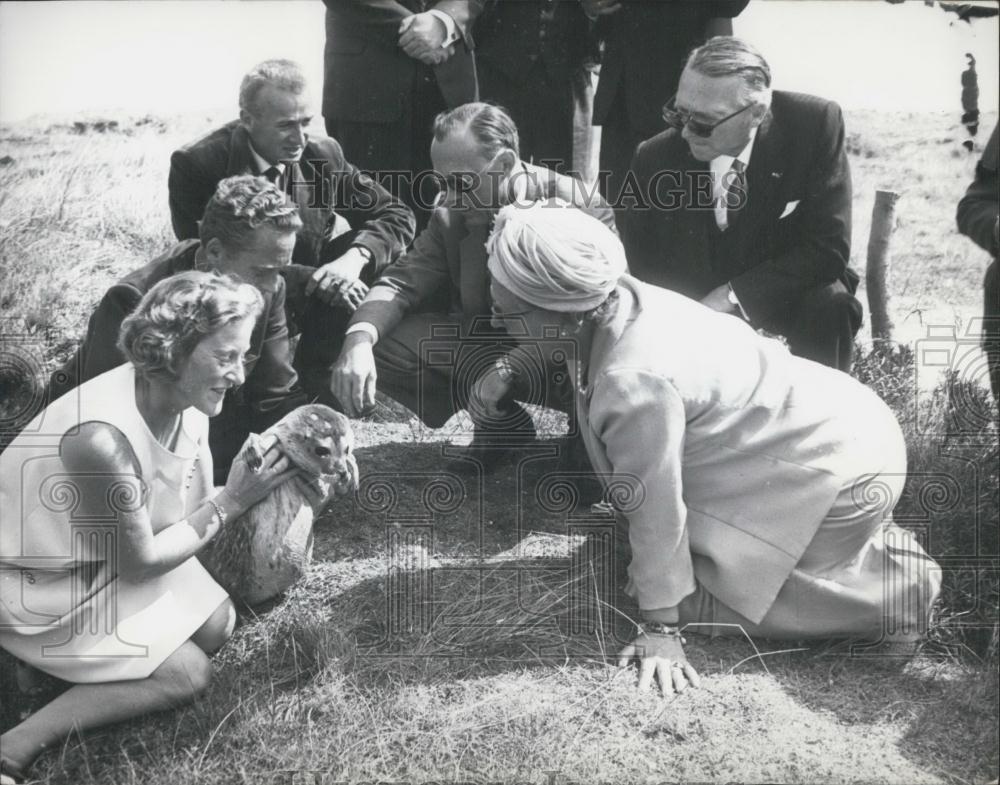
(677, 119)
(465, 182)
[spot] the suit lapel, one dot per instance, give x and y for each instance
(693, 249)
(764, 174)
(240, 160)
(473, 279)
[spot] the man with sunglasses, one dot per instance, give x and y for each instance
(423, 331)
(744, 203)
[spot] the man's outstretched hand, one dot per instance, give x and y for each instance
(353, 376)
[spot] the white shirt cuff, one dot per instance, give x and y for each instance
(451, 29)
(363, 327)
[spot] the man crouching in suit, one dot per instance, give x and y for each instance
(352, 226)
(744, 203)
(424, 332)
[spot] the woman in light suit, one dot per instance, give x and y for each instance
(760, 485)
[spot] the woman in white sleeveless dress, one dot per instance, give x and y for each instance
(105, 498)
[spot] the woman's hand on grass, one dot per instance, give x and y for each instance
(662, 656)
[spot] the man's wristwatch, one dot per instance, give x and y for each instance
(365, 252)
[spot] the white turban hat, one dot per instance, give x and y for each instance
(554, 256)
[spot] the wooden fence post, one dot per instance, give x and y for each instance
(879, 263)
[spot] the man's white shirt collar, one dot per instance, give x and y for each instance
(723, 163)
(262, 165)
(720, 166)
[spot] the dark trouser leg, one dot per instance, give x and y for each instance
(618, 143)
(320, 328)
(429, 362)
(398, 153)
(991, 325)
(320, 341)
(404, 373)
(542, 110)
(823, 325)
(227, 432)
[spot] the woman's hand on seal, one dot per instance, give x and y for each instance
(259, 468)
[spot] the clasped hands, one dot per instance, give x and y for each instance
(422, 37)
(338, 283)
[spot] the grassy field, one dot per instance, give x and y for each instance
(458, 631)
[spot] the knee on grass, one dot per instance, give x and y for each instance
(185, 675)
(217, 629)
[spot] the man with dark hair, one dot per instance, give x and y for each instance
(352, 227)
(249, 231)
(979, 220)
(745, 204)
(423, 331)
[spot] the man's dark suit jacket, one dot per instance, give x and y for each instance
(645, 47)
(793, 234)
(977, 210)
(512, 37)
(369, 79)
(378, 221)
(271, 388)
(979, 219)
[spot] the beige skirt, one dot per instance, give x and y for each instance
(124, 630)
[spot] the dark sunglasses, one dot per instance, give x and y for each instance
(677, 119)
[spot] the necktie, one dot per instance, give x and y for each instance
(736, 191)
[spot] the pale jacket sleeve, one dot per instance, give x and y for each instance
(639, 419)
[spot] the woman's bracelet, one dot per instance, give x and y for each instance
(663, 629)
(220, 514)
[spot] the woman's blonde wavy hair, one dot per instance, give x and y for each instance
(178, 313)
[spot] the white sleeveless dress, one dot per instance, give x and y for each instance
(62, 609)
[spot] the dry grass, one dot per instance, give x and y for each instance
(463, 633)
(936, 274)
